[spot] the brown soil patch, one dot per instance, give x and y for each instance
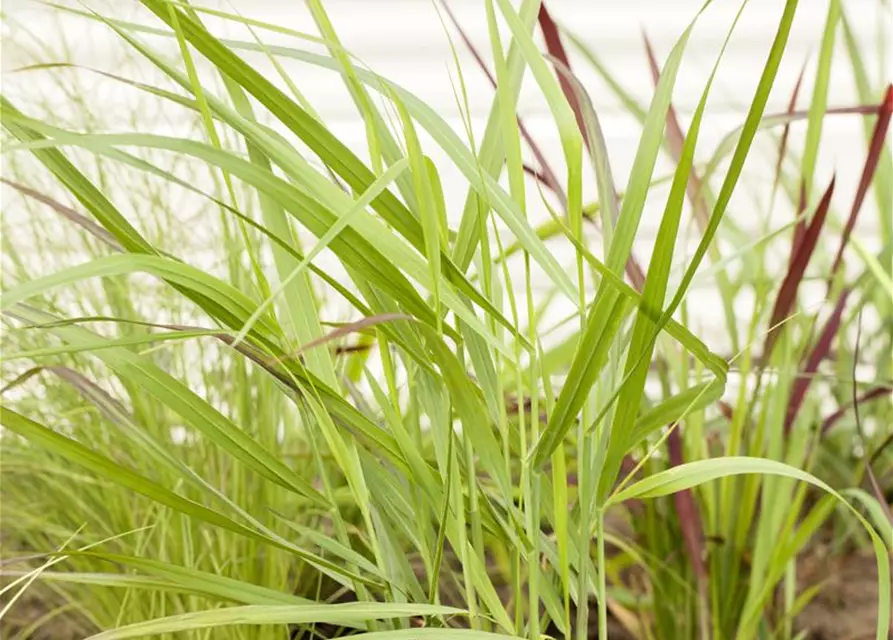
(846, 608)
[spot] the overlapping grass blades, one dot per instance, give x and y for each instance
(429, 459)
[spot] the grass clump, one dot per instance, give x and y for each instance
(266, 385)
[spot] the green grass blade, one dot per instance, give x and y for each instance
(693, 474)
(425, 116)
(331, 233)
(819, 102)
(431, 228)
(331, 150)
(606, 316)
(300, 317)
(642, 343)
(180, 273)
(200, 582)
(82, 456)
(192, 408)
(350, 612)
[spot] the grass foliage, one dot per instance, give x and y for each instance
(259, 383)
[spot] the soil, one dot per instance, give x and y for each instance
(30, 608)
(846, 608)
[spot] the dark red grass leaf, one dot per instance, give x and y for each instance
(787, 294)
(556, 49)
(852, 110)
(867, 396)
(783, 144)
(800, 226)
(819, 352)
(689, 517)
(633, 270)
(565, 74)
(545, 173)
(675, 140)
(69, 214)
(878, 137)
(535, 173)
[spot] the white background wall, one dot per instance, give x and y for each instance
(405, 41)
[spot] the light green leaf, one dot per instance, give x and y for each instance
(350, 612)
